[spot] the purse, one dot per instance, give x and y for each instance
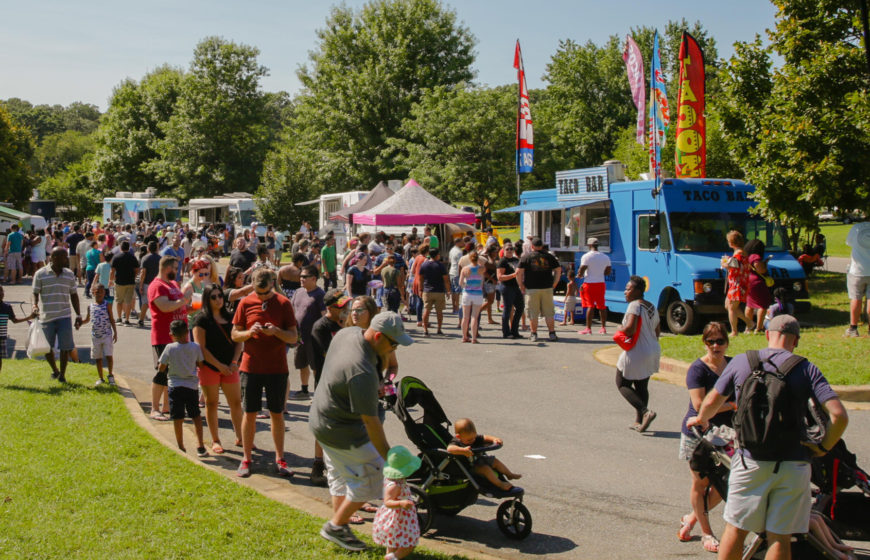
(624, 341)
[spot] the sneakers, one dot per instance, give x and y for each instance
(851, 332)
(244, 469)
(342, 536)
(585, 331)
(318, 474)
(300, 396)
(201, 452)
(602, 330)
(533, 337)
(99, 382)
(111, 379)
(552, 337)
(648, 417)
(282, 469)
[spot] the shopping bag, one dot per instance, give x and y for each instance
(37, 344)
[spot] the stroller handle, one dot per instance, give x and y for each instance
(479, 450)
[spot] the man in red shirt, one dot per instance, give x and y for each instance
(166, 303)
(265, 322)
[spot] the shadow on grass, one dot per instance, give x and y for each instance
(827, 290)
(56, 390)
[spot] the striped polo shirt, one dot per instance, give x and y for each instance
(54, 293)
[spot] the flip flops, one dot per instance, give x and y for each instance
(685, 532)
(711, 544)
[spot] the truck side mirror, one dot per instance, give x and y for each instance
(654, 231)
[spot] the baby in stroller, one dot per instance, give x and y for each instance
(484, 465)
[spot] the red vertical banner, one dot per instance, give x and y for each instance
(691, 140)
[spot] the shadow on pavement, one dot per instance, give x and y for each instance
(662, 434)
(454, 530)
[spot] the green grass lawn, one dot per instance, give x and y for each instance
(79, 479)
(840, 359)
(835, 233)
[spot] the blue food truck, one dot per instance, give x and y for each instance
(674, 237)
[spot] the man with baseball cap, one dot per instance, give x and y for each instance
(594, 266)
(344, 419)
(773, 495)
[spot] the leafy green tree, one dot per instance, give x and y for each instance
(217, 137)
(369, 68)
(461, 144)
(287, 179)
(798, 137)
(72, 189)
(16, 148)
(81, 117)
(45, 120)
(60, 150)
(131, 129)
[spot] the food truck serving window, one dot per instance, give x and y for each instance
(704, 232)
(591, 220)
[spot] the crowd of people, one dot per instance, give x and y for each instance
(230, 333)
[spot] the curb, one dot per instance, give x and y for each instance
(854, 397)
(274, 489)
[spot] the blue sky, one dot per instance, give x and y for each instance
(60, 51)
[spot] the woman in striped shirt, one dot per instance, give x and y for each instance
(471, 282)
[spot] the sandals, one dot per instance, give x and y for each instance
(356, 520)
(159, 416)
(685, 532)
(711, 544)
(217, 449)
(369, 508)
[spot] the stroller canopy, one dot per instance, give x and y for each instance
(431, 430)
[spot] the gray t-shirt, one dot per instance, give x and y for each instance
(182, 359)
(348, 389)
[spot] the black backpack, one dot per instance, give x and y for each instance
(769, 421)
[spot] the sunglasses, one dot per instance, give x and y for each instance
(358, 311)
(393, 343)
(216, 296)
(202, 274)
(306, 276)
(719, 341)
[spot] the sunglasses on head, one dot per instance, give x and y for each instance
(712, 341)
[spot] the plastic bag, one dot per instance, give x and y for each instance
(37, 344)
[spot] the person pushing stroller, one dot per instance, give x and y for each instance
(486, 466)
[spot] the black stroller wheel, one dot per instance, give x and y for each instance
(424, 508)
(514, 519)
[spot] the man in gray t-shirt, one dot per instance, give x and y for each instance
(344, 419)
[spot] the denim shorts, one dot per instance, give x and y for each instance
(59, 330)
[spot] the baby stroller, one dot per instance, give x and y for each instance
(712, 458)
(445, 484)
(848, 513)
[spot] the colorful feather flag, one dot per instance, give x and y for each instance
(525, 135)
(634, 68)
(659, 113)
(690, 148)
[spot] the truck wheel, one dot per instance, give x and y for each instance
(680, 317)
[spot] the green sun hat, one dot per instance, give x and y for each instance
(401, 463)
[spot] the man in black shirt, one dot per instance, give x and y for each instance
(512, 298)
(538, 274)
(241, 257)
(324, 329)
(150, 269)
(125, 267)
(435, 288)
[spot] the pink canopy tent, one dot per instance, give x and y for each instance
(412, 205)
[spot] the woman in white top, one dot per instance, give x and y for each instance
(637, 365)
(37, 250)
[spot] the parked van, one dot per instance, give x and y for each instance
(674, 237)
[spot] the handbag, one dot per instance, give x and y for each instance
(624, 341)
(37, 344)
(768, 281)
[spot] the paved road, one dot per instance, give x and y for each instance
(600, 490)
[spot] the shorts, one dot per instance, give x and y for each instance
(687, 446)
(488, 288)
(434, 299)
(858, 286)
(143, 296)
(474, 300)
(302, 355)
(61, 331)
(253, 384)
(124, 293)
(355, 472)
(454, 284)
(592, 295)
(181, 400)
(159, 377)
(74, 263)
(539, 303)
(101, 347)
(761, 500)
(209, 377)
(13, 262)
